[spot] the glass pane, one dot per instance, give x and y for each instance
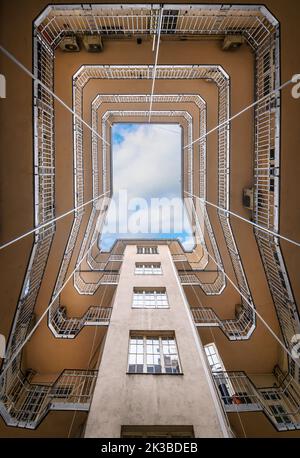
(140, 359)
(156, 359)
(150, 349)
(167, 360)
(139, 340)
(156, 348)
(132, 348)
(140, 349)
(132, 359)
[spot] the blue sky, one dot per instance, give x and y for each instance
(146, 164)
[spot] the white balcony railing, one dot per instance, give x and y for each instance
(25, 404)
(236, 328)
(119, 21)
(280, 402)
(70, 327)
(266, 189)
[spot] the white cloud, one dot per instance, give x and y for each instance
(146, 164)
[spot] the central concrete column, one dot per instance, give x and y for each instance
(152, 399)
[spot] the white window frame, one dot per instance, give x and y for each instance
(143, 352)
(147, 249)
(148, 268)
(213, 357)
(150, 298)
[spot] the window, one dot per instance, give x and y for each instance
(213, 358)
(157, 431)
(221, 378)
(147, 250)
(144, 298)
(148, 268)
(153, 354)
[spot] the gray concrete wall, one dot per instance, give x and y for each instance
(146, 399)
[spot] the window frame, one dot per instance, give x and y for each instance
(150, 291)
(144, 353)
(153, 249)
(146, 265)
(160, 431)
(213, 357)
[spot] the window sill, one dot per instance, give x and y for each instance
(148, 275)
(150, 308)
(151, 373)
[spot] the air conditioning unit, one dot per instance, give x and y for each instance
(248, 198)
(231, 42)
(69, 44)
(93, 43)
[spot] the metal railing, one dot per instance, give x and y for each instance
(235, 329)
(217, 286)
(54, 312)
(280, 403)
(266, 188)
(223, 202)
(119, 21)
(25, 404)
(70, 327)
(103, 265)
(88, 287)
(44, 206)
(179, 258)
